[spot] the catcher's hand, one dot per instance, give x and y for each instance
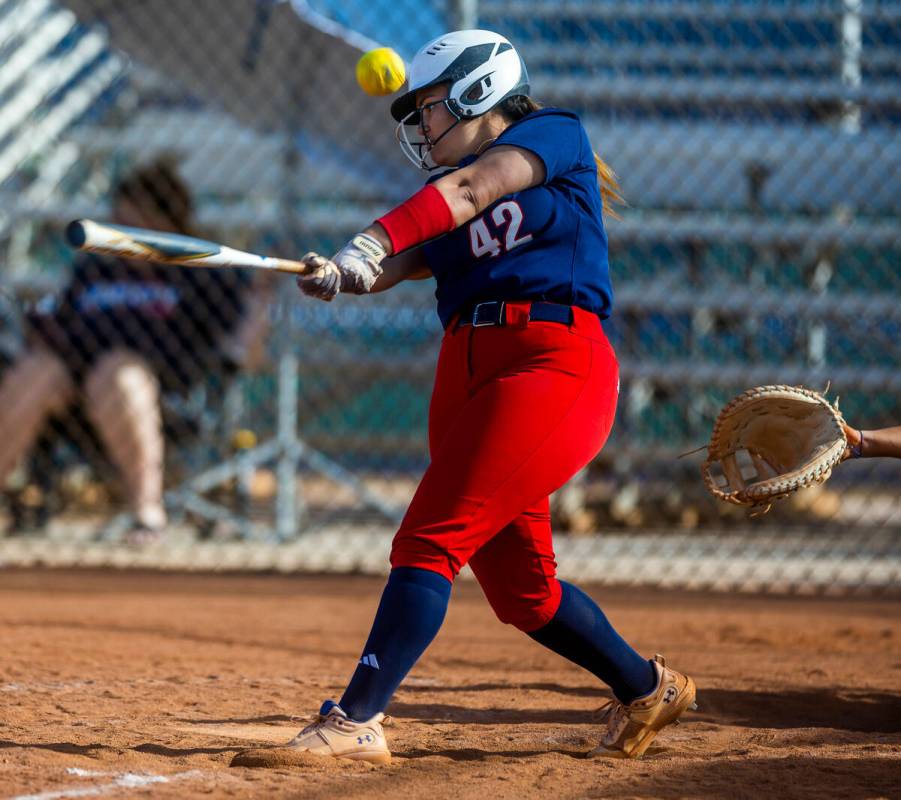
(771, 441)
(854, 440)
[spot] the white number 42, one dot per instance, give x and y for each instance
(504, 215)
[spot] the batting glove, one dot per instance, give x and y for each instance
(359, 263)
(354, 268)
(325, 282)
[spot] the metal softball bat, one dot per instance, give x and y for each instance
(162, 247)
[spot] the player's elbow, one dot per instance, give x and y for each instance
(472, 200)
(466, 195)
(474, 197)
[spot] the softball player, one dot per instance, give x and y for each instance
(526, 386)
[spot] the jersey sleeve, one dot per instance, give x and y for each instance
(556, 138)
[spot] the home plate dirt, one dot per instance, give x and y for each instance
(128, 684)
(276, 757)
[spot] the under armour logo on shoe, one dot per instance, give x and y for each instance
(670, 694)
(370, 661)
(366, 738)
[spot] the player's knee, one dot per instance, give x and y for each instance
(40, 366)
(121, 373)
(409, 550)
(36, 385)
(119, 362)
(525, 613)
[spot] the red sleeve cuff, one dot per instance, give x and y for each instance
(424, 216)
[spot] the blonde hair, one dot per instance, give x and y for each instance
(515, 108)
(611, 193)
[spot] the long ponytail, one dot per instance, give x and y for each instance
(611, 194)
(515, 108)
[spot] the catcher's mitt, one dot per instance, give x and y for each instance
(771, 441)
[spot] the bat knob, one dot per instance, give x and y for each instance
(75, 233)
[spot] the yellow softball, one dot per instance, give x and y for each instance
(381, 71)
(244, 439)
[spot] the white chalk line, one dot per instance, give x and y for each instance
(124, 780)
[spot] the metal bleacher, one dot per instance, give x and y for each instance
(698, 54)
(757, 147)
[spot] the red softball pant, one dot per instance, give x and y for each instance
(516, 411)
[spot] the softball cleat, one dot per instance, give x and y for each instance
(631, 728)
(331, 733)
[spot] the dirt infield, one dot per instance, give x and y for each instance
(141, 684)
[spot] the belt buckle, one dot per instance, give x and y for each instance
(496, 319)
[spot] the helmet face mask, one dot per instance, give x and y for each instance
(418, 151)
(481, 68)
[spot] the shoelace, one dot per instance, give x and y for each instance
(318, 719)
(315, 721)
(604, 710)
(614, 714)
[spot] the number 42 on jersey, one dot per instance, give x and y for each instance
(507, 219)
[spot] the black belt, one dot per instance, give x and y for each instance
(493, 312)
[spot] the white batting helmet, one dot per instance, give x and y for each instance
(482, 67)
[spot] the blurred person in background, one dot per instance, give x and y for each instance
(122, 333)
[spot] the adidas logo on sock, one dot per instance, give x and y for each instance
(370, 661)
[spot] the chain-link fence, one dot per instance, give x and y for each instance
(757, 145)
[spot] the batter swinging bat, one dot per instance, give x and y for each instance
(169, 248)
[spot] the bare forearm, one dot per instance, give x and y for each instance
(885, 442)
(377, 232)
(408, 266)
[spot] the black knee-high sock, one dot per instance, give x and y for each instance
(581, 633)
(410, 613)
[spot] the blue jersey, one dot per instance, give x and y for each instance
(545, 243)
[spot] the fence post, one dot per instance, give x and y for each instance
(464, 14)
(852, 48)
